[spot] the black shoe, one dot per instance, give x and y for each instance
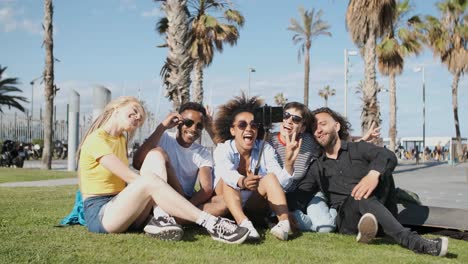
(367, 227)
(435, 247)
(227, 231)
(164, 228)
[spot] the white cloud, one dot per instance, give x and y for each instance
(11, 21)
(155, 12)
(32, 27)
(127, 4)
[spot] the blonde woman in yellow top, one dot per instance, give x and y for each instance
(117, 199)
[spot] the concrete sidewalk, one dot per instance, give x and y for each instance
(60, 165)
(437, 184)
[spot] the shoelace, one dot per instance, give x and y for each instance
(431, 245)
(169, 219)
(225, 226)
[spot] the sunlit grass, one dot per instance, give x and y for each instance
(28, 216)
(19, 174)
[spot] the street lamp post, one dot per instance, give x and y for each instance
(421, 69)
(250, 71)
(347, 53)
(32, 95)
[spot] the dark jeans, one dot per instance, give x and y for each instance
(351, 211)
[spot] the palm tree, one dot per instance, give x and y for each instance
(312, 27)
(209, 33)
(49, 87)
(447, 38)
(178, 66)
(7, 85)
(326, 92)
(280, 99)
(367, 20)
(390, 55)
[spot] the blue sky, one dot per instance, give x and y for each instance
(113, 43)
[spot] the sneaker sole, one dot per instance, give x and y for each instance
(444, 247)
(239, 241)
(174, 234)
(280, 235)
(253, 238)
(367, 227)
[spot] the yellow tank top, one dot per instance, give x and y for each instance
(94, 178)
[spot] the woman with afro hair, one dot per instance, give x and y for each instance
(237, 153)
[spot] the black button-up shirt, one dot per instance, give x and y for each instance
(337, 177)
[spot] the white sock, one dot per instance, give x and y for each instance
(285, 225)
(158, 211)
(244, 222)
(206, 220)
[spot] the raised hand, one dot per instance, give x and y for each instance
(172, 120)
(372, 133)
(293, 147)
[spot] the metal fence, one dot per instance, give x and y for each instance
(18, 127)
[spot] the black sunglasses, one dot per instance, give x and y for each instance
(190, 122)
(242, 125)
(295, 118)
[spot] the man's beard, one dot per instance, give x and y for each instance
(330, 143)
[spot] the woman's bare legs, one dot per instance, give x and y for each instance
(232, 198)
(150, 187)
(270, 188)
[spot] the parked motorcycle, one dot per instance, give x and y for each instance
(12, 155)
(60, 150)
(37, 151)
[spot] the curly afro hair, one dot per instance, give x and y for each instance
(227, 113)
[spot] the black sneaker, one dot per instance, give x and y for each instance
(367, 227)
(435, 247)
(227, 231)
(164, 228)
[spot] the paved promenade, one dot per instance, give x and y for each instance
(437, 184)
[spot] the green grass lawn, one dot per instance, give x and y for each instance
(19, 175)
(27, 234)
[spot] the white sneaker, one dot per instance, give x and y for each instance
(367, 227)
(253, 235)
(280, 230)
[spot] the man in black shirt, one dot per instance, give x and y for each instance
(357, 179)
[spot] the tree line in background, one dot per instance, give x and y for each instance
(194, 30)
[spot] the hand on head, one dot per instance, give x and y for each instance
(172, 120)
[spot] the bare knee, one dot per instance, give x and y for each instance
(149, 184)
(269, 183)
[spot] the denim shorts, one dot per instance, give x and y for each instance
(94, 212)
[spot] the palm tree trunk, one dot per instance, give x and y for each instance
(393, 110)
(197, 93)
(48, 84)
(180, 63)
(306, 75)
(370, 111)
(456, 78)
